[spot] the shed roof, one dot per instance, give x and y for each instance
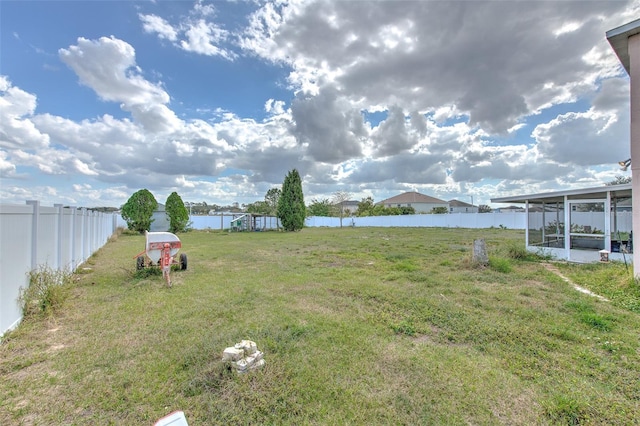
(412, 197)
(623, 190)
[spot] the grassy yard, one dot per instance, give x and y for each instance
(358, 326)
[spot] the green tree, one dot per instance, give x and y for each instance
(483, 208)
(365, 207)
(138, 209)
(319, 207)
(291, 208)
(259, 207)
(177, 212)
(271, 199)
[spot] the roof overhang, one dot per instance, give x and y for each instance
(618, 191)
(619, 41)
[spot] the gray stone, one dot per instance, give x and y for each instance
(480, 252)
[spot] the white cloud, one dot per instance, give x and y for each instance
(203, 38)
(7, 169)
(196, 33)
(485, 59)
(155, 24)
(16, 108)
(108, 66)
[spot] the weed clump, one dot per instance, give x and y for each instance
(518, 252)
(500, 264)
(148, 272)
(566, 410)
(47, 290)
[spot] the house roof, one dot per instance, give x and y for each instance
(412, 197)
(623, 190)
(619, 41)
(456, 203)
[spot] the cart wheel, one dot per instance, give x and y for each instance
(183, 261)
(140, 263)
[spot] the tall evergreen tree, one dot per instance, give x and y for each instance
(291, 208)
(177, 212)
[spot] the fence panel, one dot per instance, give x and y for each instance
(452, 220)
(32, 236)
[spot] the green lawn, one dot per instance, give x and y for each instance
(358, 326)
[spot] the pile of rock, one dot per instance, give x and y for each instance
(244, 356)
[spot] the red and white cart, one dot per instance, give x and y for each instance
(160, 250)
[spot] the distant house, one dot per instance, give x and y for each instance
(348, 207)
(421, 203)
(456, 206)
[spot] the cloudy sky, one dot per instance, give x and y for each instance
(218, 101)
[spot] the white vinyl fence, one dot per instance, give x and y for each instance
(511, 220)
(32, 236)
(218, 222)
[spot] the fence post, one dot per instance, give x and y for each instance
(83, 235)
(72, 246)
(59, 237)
(35, 224)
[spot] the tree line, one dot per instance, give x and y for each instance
(286, 203)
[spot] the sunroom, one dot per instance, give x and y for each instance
(579, 225)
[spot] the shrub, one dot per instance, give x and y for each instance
(47, 290)
(177, 212)
(518, 252)
(499, 264)
(138, 210)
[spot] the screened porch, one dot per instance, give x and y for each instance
(576, 225)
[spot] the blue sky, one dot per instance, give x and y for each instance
(219, 100)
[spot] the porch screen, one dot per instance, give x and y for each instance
(546, 224)
(587, 225)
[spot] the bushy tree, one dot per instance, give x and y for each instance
(291, 208)
(439, 210)
(483, 208)
(365, 207)
(259, 207)
(271, 199)
(407, 210)
(138, 210)
(177, 212)
(319, 207)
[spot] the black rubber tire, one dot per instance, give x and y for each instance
(183, 261)
(140, 263)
